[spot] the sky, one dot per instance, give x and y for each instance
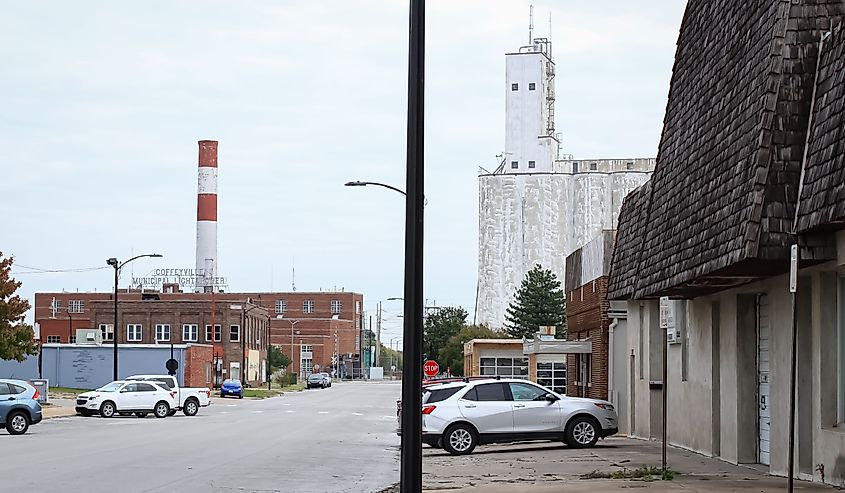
(103, 104)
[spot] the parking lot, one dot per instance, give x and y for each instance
(338, 439)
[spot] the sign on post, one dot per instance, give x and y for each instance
(431, 368)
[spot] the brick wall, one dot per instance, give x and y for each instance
(197, 371)
(586, 318)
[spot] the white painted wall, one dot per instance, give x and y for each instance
(526, 113)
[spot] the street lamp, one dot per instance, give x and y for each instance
(377, 184)
(244, 312)
(292, 324)
(117, 266)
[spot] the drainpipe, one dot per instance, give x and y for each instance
(610, 386)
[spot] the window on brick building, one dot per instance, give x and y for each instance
(190, 333)
(281, 306)
(217, 333)
(336, 306)
(73, 339)
(75, 306)
(162, 332)
(54, 339)
(134, 332)
(107, 331)
(234, 333)
(357, 307)
(505, 367)
(552, 375)
(207, 372)
(308, 306)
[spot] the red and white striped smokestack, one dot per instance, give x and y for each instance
(206, 216)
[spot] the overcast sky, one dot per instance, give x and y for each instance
(103, 103)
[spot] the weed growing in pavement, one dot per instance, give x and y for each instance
(644, 473)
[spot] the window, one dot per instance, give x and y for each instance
(207, 372)
(532, 164)
(575, 167)
(308, 306)
(505, 367)
(433, 396)
(281, 306)
(593, 166)
(514, 164)
(190, 332)
(629, 165)
(552, 375)
(527, 392)
(76, 306)
(336, 306)
(54, 339)
(55, 306)
(514, 87)
(357, 323)
(130, 387)
(531, 86)
(4, 389)
(488, 392)
(234, 333)
(307, 348)
(357, 307)
(16, 389)
(357, 343)
(162, 332)
(133, 332)
(217, 333)
(107, 331)
(145, 387)
(73, 339)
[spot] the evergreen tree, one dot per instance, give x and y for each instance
(538, 301)
(17, 340)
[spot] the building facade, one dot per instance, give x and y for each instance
(537, 208)
(704, 250)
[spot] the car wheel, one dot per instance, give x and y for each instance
(459, 439)
(192, 407)
(141, 415)
(162, 409)
(107, 409)
(582, 431)
(17, 423)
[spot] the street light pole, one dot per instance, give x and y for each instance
(117, 266)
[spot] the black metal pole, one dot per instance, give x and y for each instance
(665, 392)
(411, 454)
(267, 360)
(115, 330)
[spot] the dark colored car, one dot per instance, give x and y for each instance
(19, 406)
(233, 388)
(315, 380)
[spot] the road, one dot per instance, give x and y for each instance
(340, 439)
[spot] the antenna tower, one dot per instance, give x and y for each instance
(531, 25)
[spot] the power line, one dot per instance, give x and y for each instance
(38, 270)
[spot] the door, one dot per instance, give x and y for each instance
(127, 397)
(147, 396)
(763, 411)
(488, 407)
(531, 411)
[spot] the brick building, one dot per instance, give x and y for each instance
(312, 328)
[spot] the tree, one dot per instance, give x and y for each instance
(440, 326)
(17, 340)
(452, 353)
(538, 301)
(278, 359)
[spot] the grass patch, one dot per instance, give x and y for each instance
(66, 390)
(643, 473)
(260, 393)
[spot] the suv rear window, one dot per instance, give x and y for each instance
(438, 395)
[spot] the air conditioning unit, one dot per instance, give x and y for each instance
(91, 337)
(673, 336)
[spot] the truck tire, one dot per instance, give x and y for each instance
(107, 409)
(192, 407)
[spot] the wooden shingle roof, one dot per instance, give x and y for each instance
(723, 193)
(629, 235)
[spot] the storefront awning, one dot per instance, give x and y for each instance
(557, 346)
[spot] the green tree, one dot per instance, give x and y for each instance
(440, 326)
(538, 301)
(278, 359)
(17, 340)
(452, 353)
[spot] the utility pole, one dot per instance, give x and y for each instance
(378, 336)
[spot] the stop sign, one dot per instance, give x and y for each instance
(431, 368)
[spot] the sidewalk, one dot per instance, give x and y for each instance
(58, 408)
(548, 467)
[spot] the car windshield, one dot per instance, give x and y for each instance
(315, 376)
(112, 387)
(231, 382)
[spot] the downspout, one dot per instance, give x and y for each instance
(610, 386)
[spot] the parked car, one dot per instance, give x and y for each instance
(459, 416)
(19, 406)
(125, 397)
(233, 388)
(315, 380)
(327, 378)
(189, 399)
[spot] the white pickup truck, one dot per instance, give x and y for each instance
(190, 399)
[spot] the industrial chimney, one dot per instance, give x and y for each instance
(206, 217)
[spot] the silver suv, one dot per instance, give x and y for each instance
(458, 416)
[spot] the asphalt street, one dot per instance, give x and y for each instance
(340, 439)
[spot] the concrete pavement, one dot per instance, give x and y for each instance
(340, 439)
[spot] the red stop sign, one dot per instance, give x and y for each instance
(431, 368)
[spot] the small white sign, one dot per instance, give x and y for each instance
(793, 269)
